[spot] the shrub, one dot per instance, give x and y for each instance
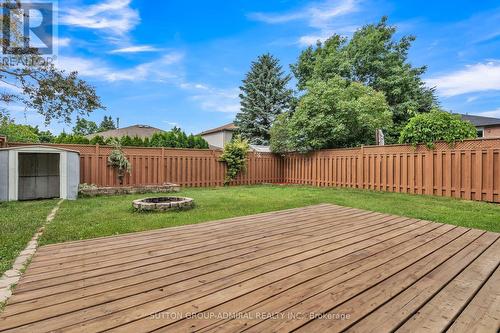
(17, 133)
(177, 139)
(437, 125)
(71, 138)
(235, 157)
(98, 140)
(119, 161)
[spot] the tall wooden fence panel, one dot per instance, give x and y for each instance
(468, 170)
(186, 167)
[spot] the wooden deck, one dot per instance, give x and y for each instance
(321, 268)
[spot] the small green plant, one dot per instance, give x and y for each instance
(119, 161)
(235, 157)
(437, 125)
(85, 187)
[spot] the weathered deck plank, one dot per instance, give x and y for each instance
(271, 271)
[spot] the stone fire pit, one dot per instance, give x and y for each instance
(163, 204)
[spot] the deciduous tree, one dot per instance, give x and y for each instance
(376, 59)
(333, 113)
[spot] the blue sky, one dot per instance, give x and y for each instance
(167, 63)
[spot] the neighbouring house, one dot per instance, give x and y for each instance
(219, 136)
(487, 127)
(3, 141)
(38, 172)
(141, 131)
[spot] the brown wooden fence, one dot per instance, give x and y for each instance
(186, 167)
(469, 170)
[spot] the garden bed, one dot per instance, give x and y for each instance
(93, 191)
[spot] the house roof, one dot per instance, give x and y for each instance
(481, 121)
(142, 131)
(227, 127)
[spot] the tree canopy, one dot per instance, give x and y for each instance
(332, 113)
(374, 58)
(264, 95)
(84, 127)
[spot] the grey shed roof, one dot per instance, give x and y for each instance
(40, 148)
(481, 121)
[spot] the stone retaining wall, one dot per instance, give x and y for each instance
(92, 191)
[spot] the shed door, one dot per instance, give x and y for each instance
(38, 176)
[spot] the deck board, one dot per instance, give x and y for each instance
(355, 270)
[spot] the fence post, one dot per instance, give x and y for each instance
(490, 167)
(162, 165)
(361, 166)
(213, 172)
(96, 165)
(314, 170)
(429, 173)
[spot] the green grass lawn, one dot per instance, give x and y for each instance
(103, 216)
(18, 223)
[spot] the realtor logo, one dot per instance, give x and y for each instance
(27, 28)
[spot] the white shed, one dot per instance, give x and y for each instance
(38, 172)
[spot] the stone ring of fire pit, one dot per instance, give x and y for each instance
(163, 204)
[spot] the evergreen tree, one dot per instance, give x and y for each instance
(137, 141)
(264, 95)
(107, 124)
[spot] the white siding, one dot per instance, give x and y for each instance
(218, 139)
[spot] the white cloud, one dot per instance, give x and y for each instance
(473, 78)
(276, 18)
(492, 113)
(157, 70)
(307, 40)
(311, 39)
(113, 16)
(136, 49)
(215, 99)
(171, 123)
(61, 42)
(319, 16)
